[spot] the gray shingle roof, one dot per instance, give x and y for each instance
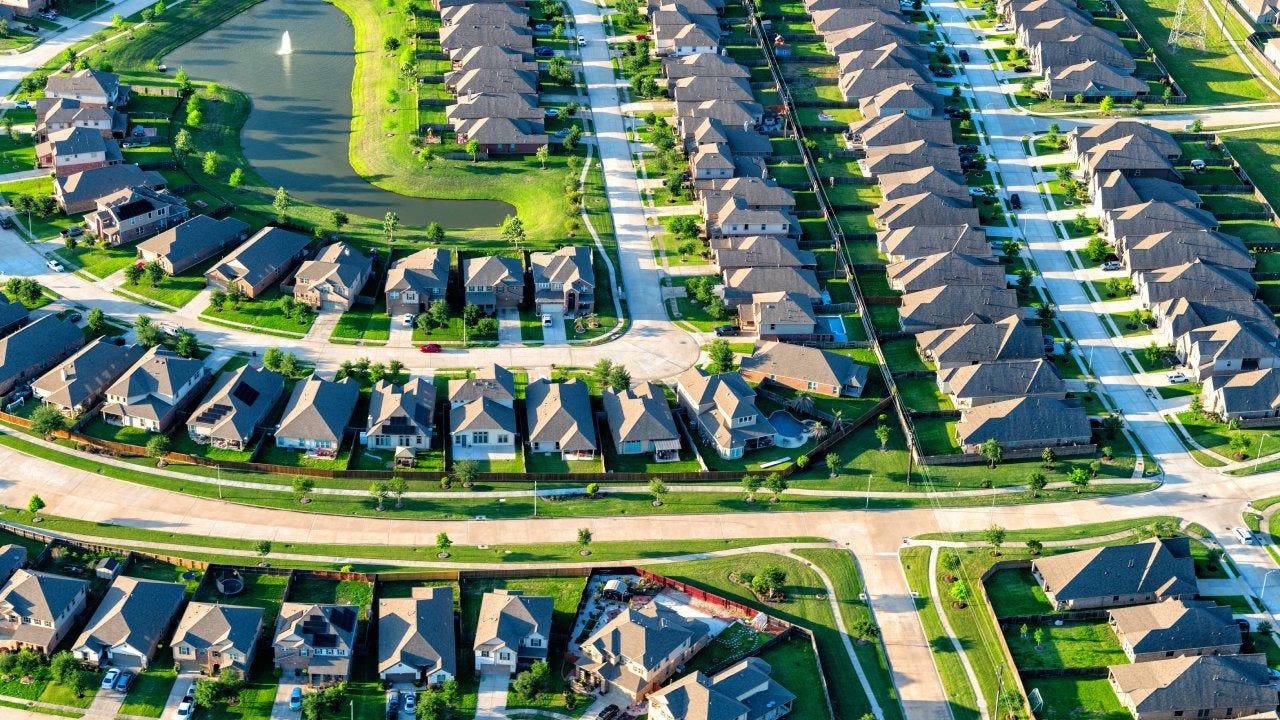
(952, 305)
(507, 617)
(931, 271)
(238, 403)
(319, 409)
(219, 627)
(561, 413)
(1085, 137)
(11, 312)
(86, 374)
(77, 188)
(418, 631)
(1177, 247)
(425, 272)
(269, 249)
(806, 363)
(783, 308)
(491, 381)
(1024, 422)
(160, 373)
(1003, 380)
(407, 409)
(647, 636)
(39, 595)
(1175, 625)
(743, 690)
(194, 241)
(639, 414)
(35, 344)
(1003, 340)
(922, 240)
(569, 266)
(134, 612)
(1162, 567)
(340, 266)
(1191, 683)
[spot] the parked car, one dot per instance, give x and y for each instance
(73, 231)
(31, 28)
(1176, 377)
(1021, 69)
(1243, 535)
(560, 134)
(964, 56)
(1002, 28)
(6, 222)
(726, 331)
(1111, 265)
(943, 72)
(551, 112)
(184, 710)
(1242, 624)
(22, 105)
(967, 149)
(190, 694)
(393, 700)
(54, 265)
(126, 679)
(75, 317)
(407, 319)
(295, 699)
(610, 712)
(546, 320)
(582, 40)
(1049, 344)
(430, 348)
(542, 27)
(542, 51)
(109, 680)
(410, 702)
(1015, 202)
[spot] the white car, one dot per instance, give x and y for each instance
(582, 40)
(54, 265)
(1002, 28)
(109, 680)
(22, 105)
(1243, 535)
(1176, 377)
(184, 710)
(407, 319)
(546, 321)
(1111, 265)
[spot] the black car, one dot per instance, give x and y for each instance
(73, 231)
(1048, 344)
(1242, 624)
(542, 51)
(943, 72)
(1022, 69)
(726, 330)
(609, 712)
(75, 317)
(964, 56)
(1015, 202)
(6, 222)
(967, 149)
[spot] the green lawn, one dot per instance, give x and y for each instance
(100, 429)
(937, 436)
(273, 455)
(922, 394)
(36, 227)
(17, 152)
(151, 688)
(1070, 645)
(1217, 436)
(1015, 592)
(1072, 698)
(181, 442)
(366, 323)
(959, 692)
(175, 290)
(266, 311)
(553, 463)
(98, 260)
(793, 665)
(340, 592)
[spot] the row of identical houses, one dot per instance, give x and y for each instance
(494, 76)
(1196, 281)
(1184, 653)
(955, 295)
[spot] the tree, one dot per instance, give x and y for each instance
(184, 81)
(1037, 482)
(532, 681)
(262, 547)
(464, 471)
(390, 222)
(882, 434)
(185, 343)
(35, 504)
(1039, 637)
(1197, 125)
(133, 273)
(600, 371)
(379, 491)
(281, 205)
(470, 314)
(991, 450)
(377, 372)
(1064, 173)
(1106, 106)
(618, 378)
(751, 484)
(1167, 95)
(271, 359)
(443, 542)
(195, 118)
(391, 43)
(960, 593)
(302, 486)
(47, 419)
(1153, 353)
(154, 272)
(435, 233)
(834, 462)
(1035, 546)
(769, 581)
(398, 487)
(183, 143)
(1237, 443)
(513, 230)
(472, 148)
(157, 446)
(720, 356)
(1078, 99)
(1138, 106)
(994, 536)
(207, 693)
(63, 666)
(542, 154)
(658, 489)
(776, 484)
(584, 537)
(237, 178)
(209, 163)
(1078, 477)
(146, 332)
(683, 226)
(1048, 458)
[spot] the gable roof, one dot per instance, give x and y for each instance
(647, 636)
(743, 689)
(922, 240)
(1177, 247)
(806, 363)
(745, 282)
(561, 413)
(87, 373)
(84, 82)
(569, 266)
(1163, 567)
(11, 312)
(761, 251)
(76, 188)
(1019, 378)
(425, 272)
(319, 626)
(418, 631)
(926, 207)
(1189, 683)
(319, 409)
(923, 180)
(39, 595)
(508, 616)
(490, 381)
(639, 414)
(134, 612)
(1026, 421)
(952, 305)
(261, 255)
(238, 403)
(1247, 391)
(930, 271)
(783, 308)
(1127, 153)
(1197, 281)
(219, 627)
(1003, 340)
(1091, 77)
(1175, 625)
(159, 372)
(407, 409)
(341, 266)
(34, 344)
(1085, 137)
(492, 270)
(194, 240)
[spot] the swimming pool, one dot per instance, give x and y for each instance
(791, 432)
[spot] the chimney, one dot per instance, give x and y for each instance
(62, 372)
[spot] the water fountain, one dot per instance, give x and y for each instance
(286, 45)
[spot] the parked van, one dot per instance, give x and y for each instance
(1244, 536)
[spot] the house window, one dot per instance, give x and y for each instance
(484, 653)
(503, 439)
(535, 642)
(302, 652)
(813, 385)
(481, 437)
(394, 295)
(504, 656)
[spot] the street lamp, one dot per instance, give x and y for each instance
(1258, 459)
(868, 507)
(1263, 594)
(219, 469)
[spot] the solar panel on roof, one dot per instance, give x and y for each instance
(245, 393)
(133, 209)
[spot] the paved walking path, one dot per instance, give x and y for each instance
(937, 598)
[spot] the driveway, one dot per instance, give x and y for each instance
(492, 700)
(555, 333)
(508, 326)
(185, 680)
(280, 708)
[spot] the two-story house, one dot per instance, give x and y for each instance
(560, 419)
(416, 637)
(401, 416)
(513, 631)
(132, 619)
(333, 279)
(482, 416)
(414, 282)
(211, 636)
(564, 281)
(37, 609)
(233, 409)
(742, 691)
(315, 643)
(90, 87)
(639, 649)
(35, 348)
(316, 416)
(150, 394)
(76, 149)
(76, 385)
(723, 409)
(135, 213)
(492, 282)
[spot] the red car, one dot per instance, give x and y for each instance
(643, 37)
(430, 348)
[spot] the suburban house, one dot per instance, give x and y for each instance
(805, 369)
(1150, 218)
(333, 279)
(926, 180)
(564, 281)
(925, 207)
(78, 383)
(1195, 281)
(212, 636)
(513, 631)
(315, 418)
(12, 558)
(1004, 340)
(77, 149)
(1117, 575)
(639, 649)
(1211, 686)
(401, 416)
(742, 691)
(971, 386)
(1023, 422)
(922, 240)
(414, 282)
(79, 192)
(723, 409)
(1131, 156)
(13, 315)
(497, 135)
(482, 416)
(1248, 395)
(184, 246)
(256, 265)
(132, 619)
(134, 213)
(416, 637)
(35, 348)
(234, 407)
(560, 419)
(315, 642)
(640, 421)
(37, 609)
(149, 395)
(54, 114)
(952, 305)
(945, 269)
(779, 316)
(1175, 628)
(90, 87)
(1262, 12)
(1179, 247)
(1093, 80)
(492, 282)
(742, 284)
(730, 253)
(1226, 348)
(1175, 318)
(1083, 138)
(910, 156)
(1111, 190)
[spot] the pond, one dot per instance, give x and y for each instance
(298, 133)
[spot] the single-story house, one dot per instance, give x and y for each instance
(416, 637)
(1024, 422)
(191, 243)
(640, 421)
(132, 619)
(234, 407)
(35, 348)
(1175, 628)
(970, 386)
(77, 384)
(260, 262)
(805, 369)
(1117, 575)
(316, 417)
(1210, 686)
